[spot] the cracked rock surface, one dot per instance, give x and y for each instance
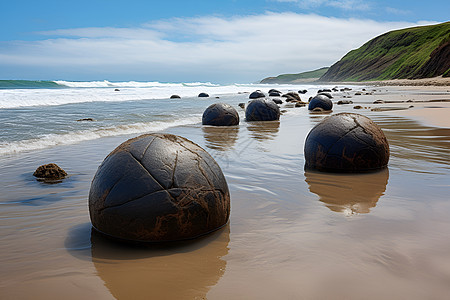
(346, 142)
(220, 114)
(262, 110)
(158, 187)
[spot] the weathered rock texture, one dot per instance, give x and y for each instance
(50, 172)
(158, 187)
(262, 110)
(346, 142)
(220, 114)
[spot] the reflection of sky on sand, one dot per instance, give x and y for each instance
(348, 193)
(184, 270)
(220, 138)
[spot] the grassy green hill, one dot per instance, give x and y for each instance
(418, 52)
(300, 77)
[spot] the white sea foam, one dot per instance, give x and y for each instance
(51, 140)
(80, 92)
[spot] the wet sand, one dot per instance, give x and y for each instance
(293, 234)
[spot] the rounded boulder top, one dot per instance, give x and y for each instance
(262, 110)
(203, 95)
(321, 101)
(157, 188)
(346, 142)
(257, 94)
(220, 114)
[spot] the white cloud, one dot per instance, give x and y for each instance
(352, 5)
(237, 49)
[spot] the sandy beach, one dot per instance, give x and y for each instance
(292, 234)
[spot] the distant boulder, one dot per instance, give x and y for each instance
(274, 91)
(277, 101)
(257, 94)
(321, 101)
(220, 114)
(274, 94)
(203, 95)
(262, 110)
(326, 94)
(292, 96)
(175, 97)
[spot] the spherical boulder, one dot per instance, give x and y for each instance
(326, 94)
(175, 97)
(220, 114)
(274, 91)
(156, 188)
(274, 94)
(262, 110)
(257, 94)
(321, 101)
(49, 172)
(346, 142)
(277, 101)
(203, 95)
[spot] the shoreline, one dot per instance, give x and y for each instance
(291, 232)
(438, 81)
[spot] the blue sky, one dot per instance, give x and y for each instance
(217, 41)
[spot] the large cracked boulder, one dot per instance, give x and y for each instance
(220, 114)
(262, 110)
(346, 142)
(156, 188)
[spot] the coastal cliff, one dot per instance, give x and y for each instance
(411, 53)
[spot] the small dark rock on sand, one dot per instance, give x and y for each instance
(262, 110)
(86, 120)
(241, 105)
(357, 107)
(157, 188)
(302, 91)
(203, 95)
(50, 172)
(220, 114)
(175, 97)
(321, 101)
(340, 102)
(346, 142)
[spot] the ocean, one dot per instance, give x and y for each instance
(40, 114)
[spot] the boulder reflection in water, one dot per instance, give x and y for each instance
(348, 193)
(221, 138)
(179, 270)
(263, 130)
